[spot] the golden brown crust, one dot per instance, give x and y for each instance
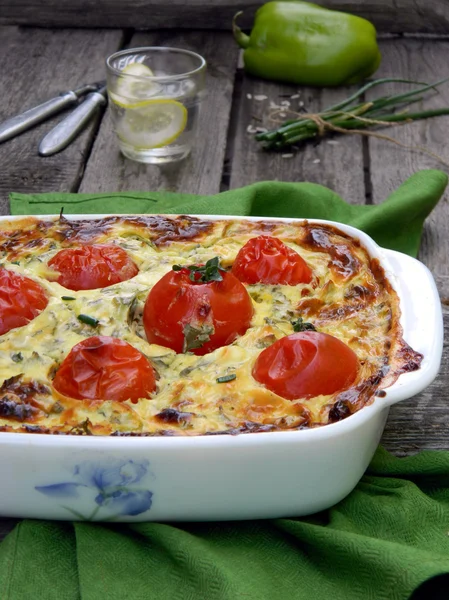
(349, 297)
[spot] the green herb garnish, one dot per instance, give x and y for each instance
(82, 428)
(67, 298)
(92, 321)
(226, 378)
(203, 273)
(266, 341)
(196, 337)
(300, 325)
(17, 357)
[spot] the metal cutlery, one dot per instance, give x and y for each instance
(24, 121)
(66, 130)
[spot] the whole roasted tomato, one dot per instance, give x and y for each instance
(92, 266)
(265, 259)
(105, 368)
(197, 309)
(306, 364)
(21, 299)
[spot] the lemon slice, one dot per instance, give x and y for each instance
(131, 89)
(152, 124)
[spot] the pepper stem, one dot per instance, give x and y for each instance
(241, 38)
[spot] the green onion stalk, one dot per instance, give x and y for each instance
(354, 116)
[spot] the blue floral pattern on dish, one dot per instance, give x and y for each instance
(108, 485)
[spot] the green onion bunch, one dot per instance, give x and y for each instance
(352, 114)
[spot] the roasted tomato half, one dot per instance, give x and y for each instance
(21, 299)
(197, 309)
(307, 364)
(265, 259)
(105, 368)
(92, 266)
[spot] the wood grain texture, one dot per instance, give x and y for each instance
(337, 164)
(7, 525)
(37, 65)
(391, 164)
(422, 423)
(200, 173)
(430, 16)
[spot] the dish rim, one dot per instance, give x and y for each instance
(250, 439)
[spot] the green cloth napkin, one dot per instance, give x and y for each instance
(381, 542)
(396, 223)
(390, 534)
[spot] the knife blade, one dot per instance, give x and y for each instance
(60, 136)
(20, 123)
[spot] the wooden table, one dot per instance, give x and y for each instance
(39, 63)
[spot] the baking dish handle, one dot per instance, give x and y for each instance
(421, 320)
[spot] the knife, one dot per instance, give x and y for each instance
(60, 136)
(20, 123)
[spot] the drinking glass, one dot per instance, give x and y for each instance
(155, 95)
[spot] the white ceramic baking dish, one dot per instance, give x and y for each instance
(247, 476)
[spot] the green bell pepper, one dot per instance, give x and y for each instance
(307, 44)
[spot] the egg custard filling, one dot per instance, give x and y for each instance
(178, 325)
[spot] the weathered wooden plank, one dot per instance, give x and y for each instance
(399, 16)
(422, 423)
(337, 164)
(37, 65)
(108, 170)
(6, 525)
(391, 165)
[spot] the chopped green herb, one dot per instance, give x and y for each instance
(300, 325)
(266, 341)
(15, 262)
(92, 321)
(53, 370)
(134, 311)
(159, 362)
(17, 357)
(196, 337)
(197, 365)
(67, 298)
(256, 296)
(203, 273)
(226, 378)
(271, 321)
(57, 408)
(82, 428)
(139, 238)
